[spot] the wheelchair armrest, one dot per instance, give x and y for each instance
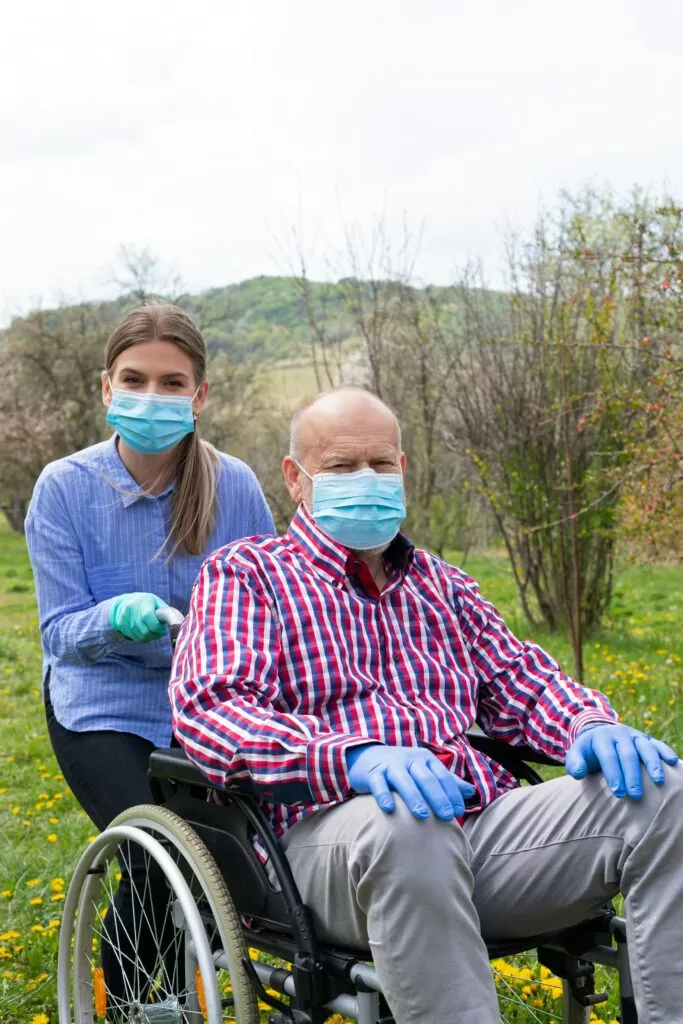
(507, 753)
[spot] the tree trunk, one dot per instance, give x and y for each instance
(15, 512)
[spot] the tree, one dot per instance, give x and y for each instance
(50, 401)
(547, 398)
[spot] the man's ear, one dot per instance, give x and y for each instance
(292, 475)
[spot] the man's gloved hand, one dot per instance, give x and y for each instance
(414, 773)
(135, 615)
(618, 751)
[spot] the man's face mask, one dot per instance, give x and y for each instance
(148, 422)
(362, 510)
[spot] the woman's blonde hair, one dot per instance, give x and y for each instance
(194, 497)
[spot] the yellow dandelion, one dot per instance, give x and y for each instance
(57, 896)
(16, 810)
(38, 928)
(40, 1018)
(57, 884)
(52, 838)
(5, 954)
(55, 923)
(36, 901)
(7, 894)
(43, 796)
(33, 882)
(9, 936)
(53, 821)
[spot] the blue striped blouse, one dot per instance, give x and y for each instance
(90, 542)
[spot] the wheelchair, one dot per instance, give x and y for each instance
(227, 944)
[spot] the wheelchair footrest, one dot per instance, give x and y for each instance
(579, 973)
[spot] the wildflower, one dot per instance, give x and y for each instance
(33, 882)
(36, 901)
(9, 936)
(16, 810)
(5, 954)
(38, 928)
(55, 923)
(52, 838)
(57, 884)
(57, 896)
(40, 1018)
(7, 894)
(53, 821)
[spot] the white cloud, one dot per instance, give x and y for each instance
(198, 129)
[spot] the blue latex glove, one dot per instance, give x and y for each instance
(416, 774)
(618, 752)
(135, 615)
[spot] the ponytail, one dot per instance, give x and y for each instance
(194, 497)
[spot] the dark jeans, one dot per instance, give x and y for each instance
(107, 773)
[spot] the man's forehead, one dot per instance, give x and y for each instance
(322, 439)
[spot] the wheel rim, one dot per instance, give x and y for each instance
(131, 986)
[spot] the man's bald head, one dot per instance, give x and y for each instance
(341, 431)
(331, 412)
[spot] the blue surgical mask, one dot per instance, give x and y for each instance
(148, 422)
(362, 510)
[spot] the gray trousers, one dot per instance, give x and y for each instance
(420, 894)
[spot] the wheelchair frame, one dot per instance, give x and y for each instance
(324, 979)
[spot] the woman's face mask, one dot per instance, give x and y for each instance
(148, 422)
(362, 510)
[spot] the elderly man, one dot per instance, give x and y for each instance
(338, 668)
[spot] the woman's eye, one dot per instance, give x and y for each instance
(132, 380)
(174, 384)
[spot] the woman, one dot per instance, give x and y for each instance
(115, 532)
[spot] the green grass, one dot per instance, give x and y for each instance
(637, 660)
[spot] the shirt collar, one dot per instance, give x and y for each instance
(127, 487)
(332, 559)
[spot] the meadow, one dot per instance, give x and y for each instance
(637, 659)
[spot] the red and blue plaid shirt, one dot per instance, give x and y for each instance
(290, 655)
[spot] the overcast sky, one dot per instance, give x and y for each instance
(204, 129)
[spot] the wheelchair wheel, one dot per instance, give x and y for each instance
(529, 994)
(146, 915)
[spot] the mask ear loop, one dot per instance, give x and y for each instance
(195, 414)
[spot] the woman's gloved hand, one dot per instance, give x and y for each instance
(135, 615)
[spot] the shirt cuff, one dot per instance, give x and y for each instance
(105, 639)
(328, 776)
(591, 716)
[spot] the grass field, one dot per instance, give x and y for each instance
(637, 660)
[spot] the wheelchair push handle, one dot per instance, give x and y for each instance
(172, 618)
